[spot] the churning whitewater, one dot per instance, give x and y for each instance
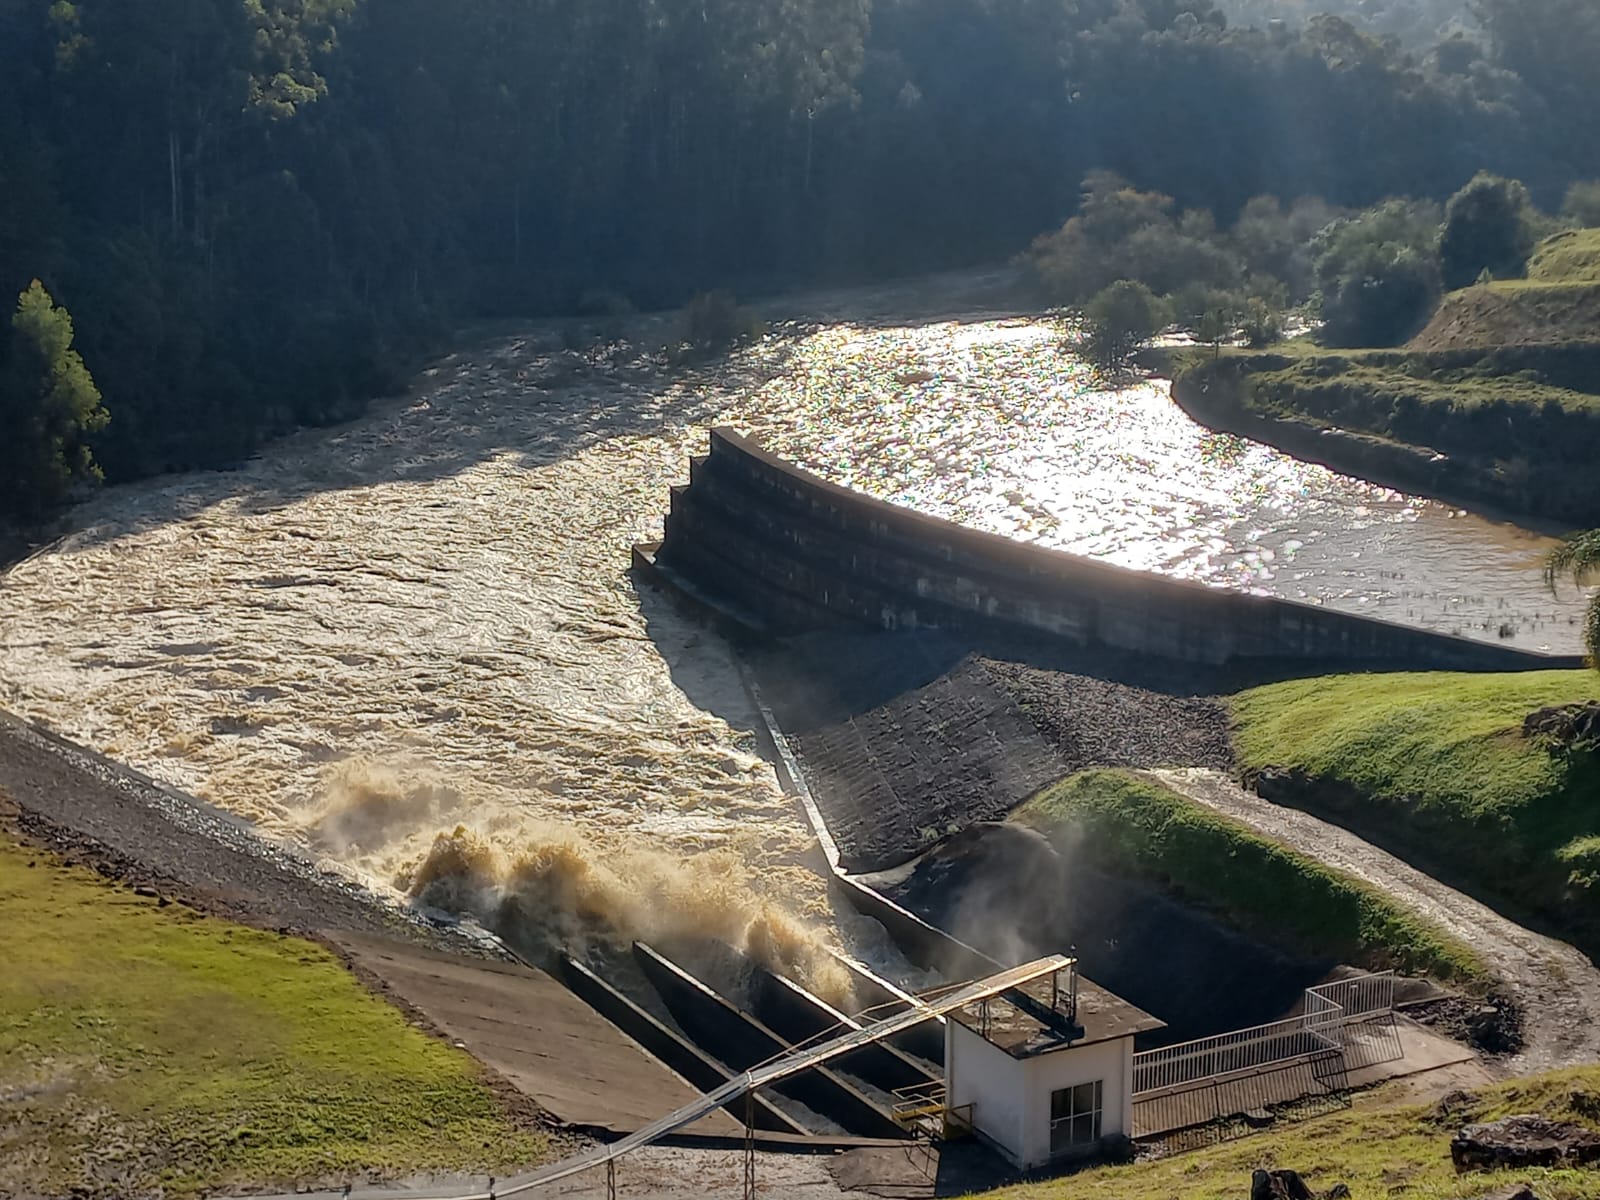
(412, 644)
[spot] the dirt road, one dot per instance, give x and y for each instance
(1557, 987)
(676, 1173)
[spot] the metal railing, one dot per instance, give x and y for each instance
(913, 1104)
(1318, 1030)
(825, 1047)
(1229, 1053)
(1357, 998)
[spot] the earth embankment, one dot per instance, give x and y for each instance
(1557, 987)
(1460, 773)
(908, 738)
(1514, 429)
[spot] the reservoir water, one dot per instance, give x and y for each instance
(423, 622)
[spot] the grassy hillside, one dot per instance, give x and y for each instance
(1380, 1149)
(146, 1047)
(1504, 383)
(1516, 427)
(1559, 301)
(1513, 312)
(1438, 763)
(1570, 257)
(1151, 832)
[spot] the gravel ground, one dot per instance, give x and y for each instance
(1096, 722)
(907, 738)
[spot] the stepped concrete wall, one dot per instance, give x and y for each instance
(799, 554)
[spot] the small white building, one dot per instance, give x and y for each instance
(1035, 1082)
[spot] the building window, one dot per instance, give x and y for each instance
(1075, 1117)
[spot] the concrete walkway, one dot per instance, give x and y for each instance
(538, 1036)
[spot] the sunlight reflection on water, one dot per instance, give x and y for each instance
(995, 425)
(425, 617)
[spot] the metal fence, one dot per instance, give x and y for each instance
(1212, 1078)
(1229, 1053)
(1356, 998)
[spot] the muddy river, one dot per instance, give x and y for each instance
(422, 623)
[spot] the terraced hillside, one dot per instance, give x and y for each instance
(1495, 403)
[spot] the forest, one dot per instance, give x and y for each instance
(222, 219)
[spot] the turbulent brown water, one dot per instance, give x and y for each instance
(369, 637)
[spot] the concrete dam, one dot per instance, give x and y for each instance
(782, 552)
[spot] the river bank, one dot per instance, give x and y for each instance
(1513, 430)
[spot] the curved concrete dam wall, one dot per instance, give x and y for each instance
(788, 552)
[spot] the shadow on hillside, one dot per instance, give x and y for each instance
(824, 678)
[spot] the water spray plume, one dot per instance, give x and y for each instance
(555, 889)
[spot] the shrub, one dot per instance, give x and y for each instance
(1582, 206)
(715, 321)
(1263, 323)
(1195, 304)
(1166, 259)
(1274, 242)
(1121, 319)
(1378, 274)
(1215, 326)
(1123, 233)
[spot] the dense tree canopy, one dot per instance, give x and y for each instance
(1378, 274)
(1488, 227)
(257, 209)
(1418, 24)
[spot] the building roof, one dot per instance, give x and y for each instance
(1020, 1027)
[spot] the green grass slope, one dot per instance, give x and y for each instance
(1438, 763)
(1570, 257)
(1151, 832)
(1558, 301)
(146, 1048)
(1516, 427)
(1513, 312)
(1496, 401)
(1381, 1149)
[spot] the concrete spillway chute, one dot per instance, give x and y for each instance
(792, 1063)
